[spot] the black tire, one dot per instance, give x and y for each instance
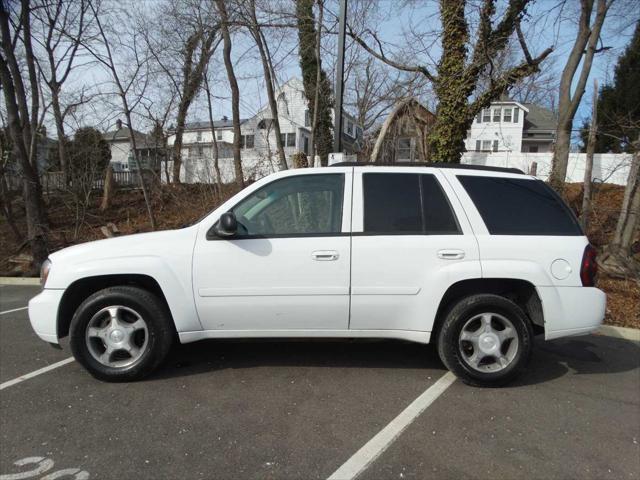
(159, 332)
(449, 342)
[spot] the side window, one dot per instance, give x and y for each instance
(299, 205)
(513, 206)
(439, 218)
(392, 203)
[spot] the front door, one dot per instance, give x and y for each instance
(288, 267)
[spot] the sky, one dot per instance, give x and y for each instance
(395, 21)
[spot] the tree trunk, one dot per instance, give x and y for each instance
(316, 97)
(23, 131)
(107, 191)
(214, 141)
(583, 51)
(618, 259)
(588, 169)
(177, 145)
(235, 92)
(62, 146)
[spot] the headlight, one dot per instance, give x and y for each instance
(44, 271)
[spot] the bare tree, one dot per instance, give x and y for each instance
(235, 91)
(61, 24)
(130, 84)
(23, 117)
(618, 259)
(581, 56)
(182, 43)
(588, 169)
(257, 33)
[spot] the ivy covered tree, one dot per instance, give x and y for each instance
(459, 76)
(317, 89)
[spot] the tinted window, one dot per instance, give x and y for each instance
(392, 203)
(300, 205)
(438, 216)
(401, 203)
(512, 206)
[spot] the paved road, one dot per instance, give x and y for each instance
(298, 410)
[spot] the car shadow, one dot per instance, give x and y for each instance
(550, 360)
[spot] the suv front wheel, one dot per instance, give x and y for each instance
(486, 340)
(121, 333)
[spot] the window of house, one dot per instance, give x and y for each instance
(486, 115)
(291, 139)
(218, 135)
(283, 139)
(307, 118)
(507, 115)
(349, 128)
(199, 136)
(495, 145)
(200, 151)
(306, 145)
(247, 141)
(358, 132)
(479, 118)
(298, 205)
(533, 149)
(394, 204)
(403, 151)
(516, 111)
(486, 145)
(513, 206)
(478, 145)
(497, 113)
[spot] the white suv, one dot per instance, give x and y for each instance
(476, 259)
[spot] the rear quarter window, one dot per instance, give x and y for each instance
(514, 206)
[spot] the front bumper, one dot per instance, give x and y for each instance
(43, 314)
(571, 311)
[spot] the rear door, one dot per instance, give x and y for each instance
(410, 241)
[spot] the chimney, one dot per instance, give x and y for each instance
(118, 124)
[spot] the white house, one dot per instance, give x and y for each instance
(259, 149)
(510, 126)
(121, 151)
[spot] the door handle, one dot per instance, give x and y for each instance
(325, 255)
(450, 254)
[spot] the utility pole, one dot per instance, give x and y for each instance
(342, 31)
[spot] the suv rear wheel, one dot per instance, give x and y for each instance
(486, 340)
(121, 333)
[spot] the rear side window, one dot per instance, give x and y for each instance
(405, 203)
(514, 206)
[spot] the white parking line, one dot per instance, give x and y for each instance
(35, 373)
(385, 437)
(14, 310)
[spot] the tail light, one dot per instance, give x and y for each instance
(589, 267)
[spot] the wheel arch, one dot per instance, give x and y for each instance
(82, 288)
(521, 292)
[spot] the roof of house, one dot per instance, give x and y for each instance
(224, 123)
(539, 118)
(122, 135)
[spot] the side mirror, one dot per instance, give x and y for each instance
(227, 225)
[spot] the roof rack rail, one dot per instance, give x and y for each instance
(431, 164)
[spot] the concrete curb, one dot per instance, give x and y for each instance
(632, 334)
(19, 281)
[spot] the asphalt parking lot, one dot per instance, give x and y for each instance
(300, 410)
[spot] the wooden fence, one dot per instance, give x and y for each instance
(52, 182)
